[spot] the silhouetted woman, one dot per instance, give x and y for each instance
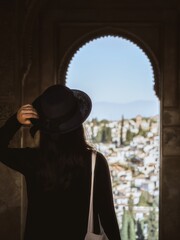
(58, 171)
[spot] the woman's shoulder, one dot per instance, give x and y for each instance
(100, 157)
(101, 160)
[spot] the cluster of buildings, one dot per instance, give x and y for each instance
(132, 151)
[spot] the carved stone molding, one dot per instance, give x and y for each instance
(6, 50)
(33, 8)
(10, 202)
(11, 195)
(171, 117)
(6, 110)
(170, 66)
(170, 198)
(171, 141)
(110, 31)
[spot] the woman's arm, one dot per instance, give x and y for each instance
(15, 158)
(104, 198)
(12, 125)
(8, 130)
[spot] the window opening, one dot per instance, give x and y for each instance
(124, 126)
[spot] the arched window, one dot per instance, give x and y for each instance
(124, 126)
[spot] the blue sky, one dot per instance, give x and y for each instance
(112, 69)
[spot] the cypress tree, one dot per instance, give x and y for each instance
(131, 230)
(152, 226)
(124, 229)
(128, 224)
(140, 235)
(121, 131)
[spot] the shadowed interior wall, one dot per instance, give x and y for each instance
(38, 40)
(10, 181)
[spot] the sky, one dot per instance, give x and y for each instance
(112, 69)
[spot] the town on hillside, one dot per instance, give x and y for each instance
(131, 147)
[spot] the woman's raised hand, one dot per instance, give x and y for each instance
(25, 113)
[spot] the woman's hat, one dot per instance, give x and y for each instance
(60, 110)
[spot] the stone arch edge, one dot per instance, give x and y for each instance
(114, 32)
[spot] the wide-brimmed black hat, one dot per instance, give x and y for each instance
(60, 110)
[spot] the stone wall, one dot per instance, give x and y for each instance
(38, 40)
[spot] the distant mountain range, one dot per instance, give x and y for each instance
(114, 111)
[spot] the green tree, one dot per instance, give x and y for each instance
(129, 136)
(145, 199)
(140, 234)
(131, 230)
(121, 131)
(104, 121)
(95, 121)
(128, 223)
(142, 132)
(125, 222)
(131, 204)
(152, 225)
(104, 135)
(98, 137)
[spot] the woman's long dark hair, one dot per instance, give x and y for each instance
(61, 158)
